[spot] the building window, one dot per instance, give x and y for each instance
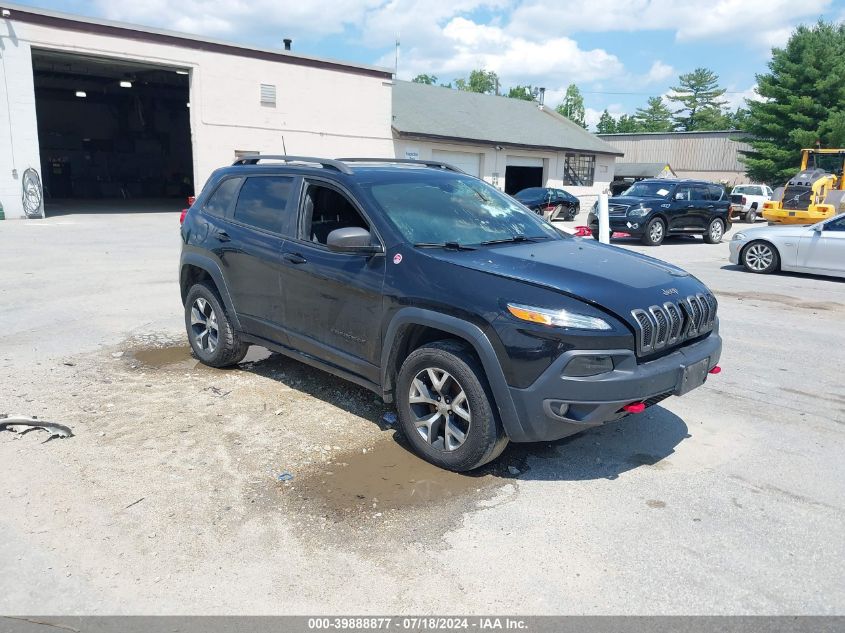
(579, 170)
(268, 95)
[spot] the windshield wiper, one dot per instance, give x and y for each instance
(516, 238)
(455, 246)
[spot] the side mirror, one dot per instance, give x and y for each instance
(680, 196)
(818, 228)
(352, 239)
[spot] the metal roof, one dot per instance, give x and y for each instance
(640, 170)
(126, 30)
(421, 110)
(700, 151)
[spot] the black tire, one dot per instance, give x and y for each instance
(760, 257)
(651, 236)
(227, 349)
(595, 234)
(715, 231)
(751, 215)
(484, 438)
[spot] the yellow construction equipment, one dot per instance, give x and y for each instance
(815, 193)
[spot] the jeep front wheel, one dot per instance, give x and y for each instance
(446, 409)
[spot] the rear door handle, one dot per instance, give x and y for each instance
(295, 258)
(222, 236)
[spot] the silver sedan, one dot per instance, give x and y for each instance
(818, 249)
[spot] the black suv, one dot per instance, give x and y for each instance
(477, 318)
(652, 209)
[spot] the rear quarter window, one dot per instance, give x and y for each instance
(263, 201)
(221, 199)
(716, 192)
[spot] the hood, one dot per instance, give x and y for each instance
(606, 276)
(771, 232)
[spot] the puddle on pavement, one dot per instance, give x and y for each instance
(386, 477)
(178, 357)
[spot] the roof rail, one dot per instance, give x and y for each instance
(405, 161)
(252, 159)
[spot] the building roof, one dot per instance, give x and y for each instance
(640, 170)
(126, 30)
(434, 112)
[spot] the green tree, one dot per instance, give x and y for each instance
(803, 102)
(526, 93)
(572, 106)
(655, 117)
(698, 94)
(483, 81)
(606, 124)
(627, 124)
(429, 80)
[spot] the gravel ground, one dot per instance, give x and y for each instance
(173, 496)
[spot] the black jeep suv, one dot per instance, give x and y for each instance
(477, 318)
(652, 209)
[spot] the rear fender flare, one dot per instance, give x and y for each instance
(213, 269)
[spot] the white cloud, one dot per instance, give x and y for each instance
(737, 99)
(659, 72)
(592, 116)
(745, 21)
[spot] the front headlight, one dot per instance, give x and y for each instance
(638, 212)
(560, 318)
(738, 237)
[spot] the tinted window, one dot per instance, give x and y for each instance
(262, 202)
(648, 190)
(683, 193)
(715, 192)
(221, 200)
(531, 192)
(700, 192)
(835, 225)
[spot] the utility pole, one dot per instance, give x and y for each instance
(396, 59)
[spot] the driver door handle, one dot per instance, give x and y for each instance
(294, 258)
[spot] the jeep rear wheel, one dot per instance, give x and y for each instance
(210, 332)
(446, 409)
(715, 232)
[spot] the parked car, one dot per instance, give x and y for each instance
(818, 249)
(652, 209)
(747, 201)
(480, 321)
(552, 204)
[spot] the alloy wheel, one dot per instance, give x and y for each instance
(759, 257)
(204, 325)
(656, 232)
(439, 409)
(716, 231)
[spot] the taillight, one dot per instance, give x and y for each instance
(182, 217)
(191, 200)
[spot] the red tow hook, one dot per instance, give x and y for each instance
(634, 407)
(716, 370)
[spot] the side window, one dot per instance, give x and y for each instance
(700, 192)
(835, 225)
(221, 200)
(715, 192)
(324, 210)
(683, 193)
(262, 202)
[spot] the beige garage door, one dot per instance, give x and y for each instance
(467, 161)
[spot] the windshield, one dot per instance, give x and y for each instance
(648, 190)
(437, 208)
(533, 192)
(748, 190)
(831, 163)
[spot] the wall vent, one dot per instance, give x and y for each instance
(268, 95)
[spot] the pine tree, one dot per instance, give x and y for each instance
(606, 124)
(803, 102)
(698, 93)
(627, 124)
(573, 106)
(655, 117)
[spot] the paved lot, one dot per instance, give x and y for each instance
(167, 500)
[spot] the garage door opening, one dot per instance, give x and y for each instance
(519, 178)
(115, 136)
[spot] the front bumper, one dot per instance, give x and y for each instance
(592, 401)
(735, 247)
(620, 224)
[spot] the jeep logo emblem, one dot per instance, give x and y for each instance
(670, 291)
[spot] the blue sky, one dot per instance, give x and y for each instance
(619, 52)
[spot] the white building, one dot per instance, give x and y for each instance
(510, 143)
(100, 110)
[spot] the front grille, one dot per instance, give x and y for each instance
(665, 326)
(617, 209)
(797, 197)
